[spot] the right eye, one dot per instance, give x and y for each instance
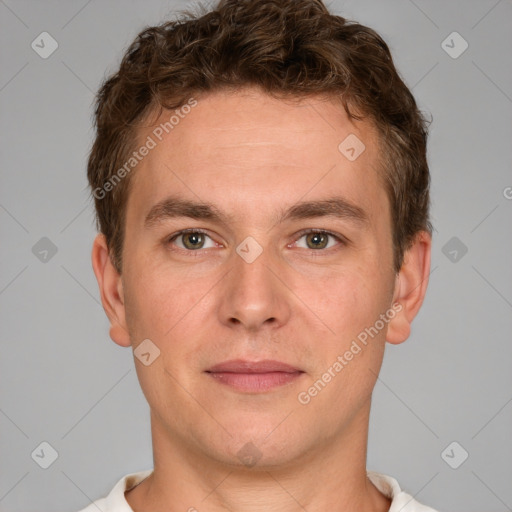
(191, 239)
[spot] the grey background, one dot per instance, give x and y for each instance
(65, 382)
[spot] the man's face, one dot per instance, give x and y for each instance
(210, 297)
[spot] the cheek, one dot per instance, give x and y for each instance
(153, 303)
(350, 304)
(354, 301)
(348, 297)
(171, 309)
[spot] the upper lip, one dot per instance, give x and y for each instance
(243, 366)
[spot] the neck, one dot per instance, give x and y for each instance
(330, 476)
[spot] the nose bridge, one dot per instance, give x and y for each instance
(253, 295)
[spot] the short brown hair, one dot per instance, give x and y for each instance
(288, 48)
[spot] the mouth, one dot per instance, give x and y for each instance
(254, 376)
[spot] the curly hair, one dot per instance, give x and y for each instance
(287, 48)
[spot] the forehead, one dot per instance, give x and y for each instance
(250, 153)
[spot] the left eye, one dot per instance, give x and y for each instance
(318, 239)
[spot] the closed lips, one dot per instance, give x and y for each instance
(243, 366)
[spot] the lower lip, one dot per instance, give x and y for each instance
(255, 382)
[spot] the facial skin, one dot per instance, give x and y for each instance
(254, 157)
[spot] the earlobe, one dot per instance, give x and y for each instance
(111, 291)
(410, 287)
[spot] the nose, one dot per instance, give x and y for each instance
(254, 295)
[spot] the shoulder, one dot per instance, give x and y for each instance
(401, 501)
(115, 500)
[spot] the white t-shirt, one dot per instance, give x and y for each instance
(387, 485)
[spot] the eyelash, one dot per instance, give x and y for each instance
(317, 252)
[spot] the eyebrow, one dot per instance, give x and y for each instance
(337, 207)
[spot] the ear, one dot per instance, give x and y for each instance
(410, 287)
(111, 290)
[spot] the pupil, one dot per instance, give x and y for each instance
(195, 239)
(318, 237)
